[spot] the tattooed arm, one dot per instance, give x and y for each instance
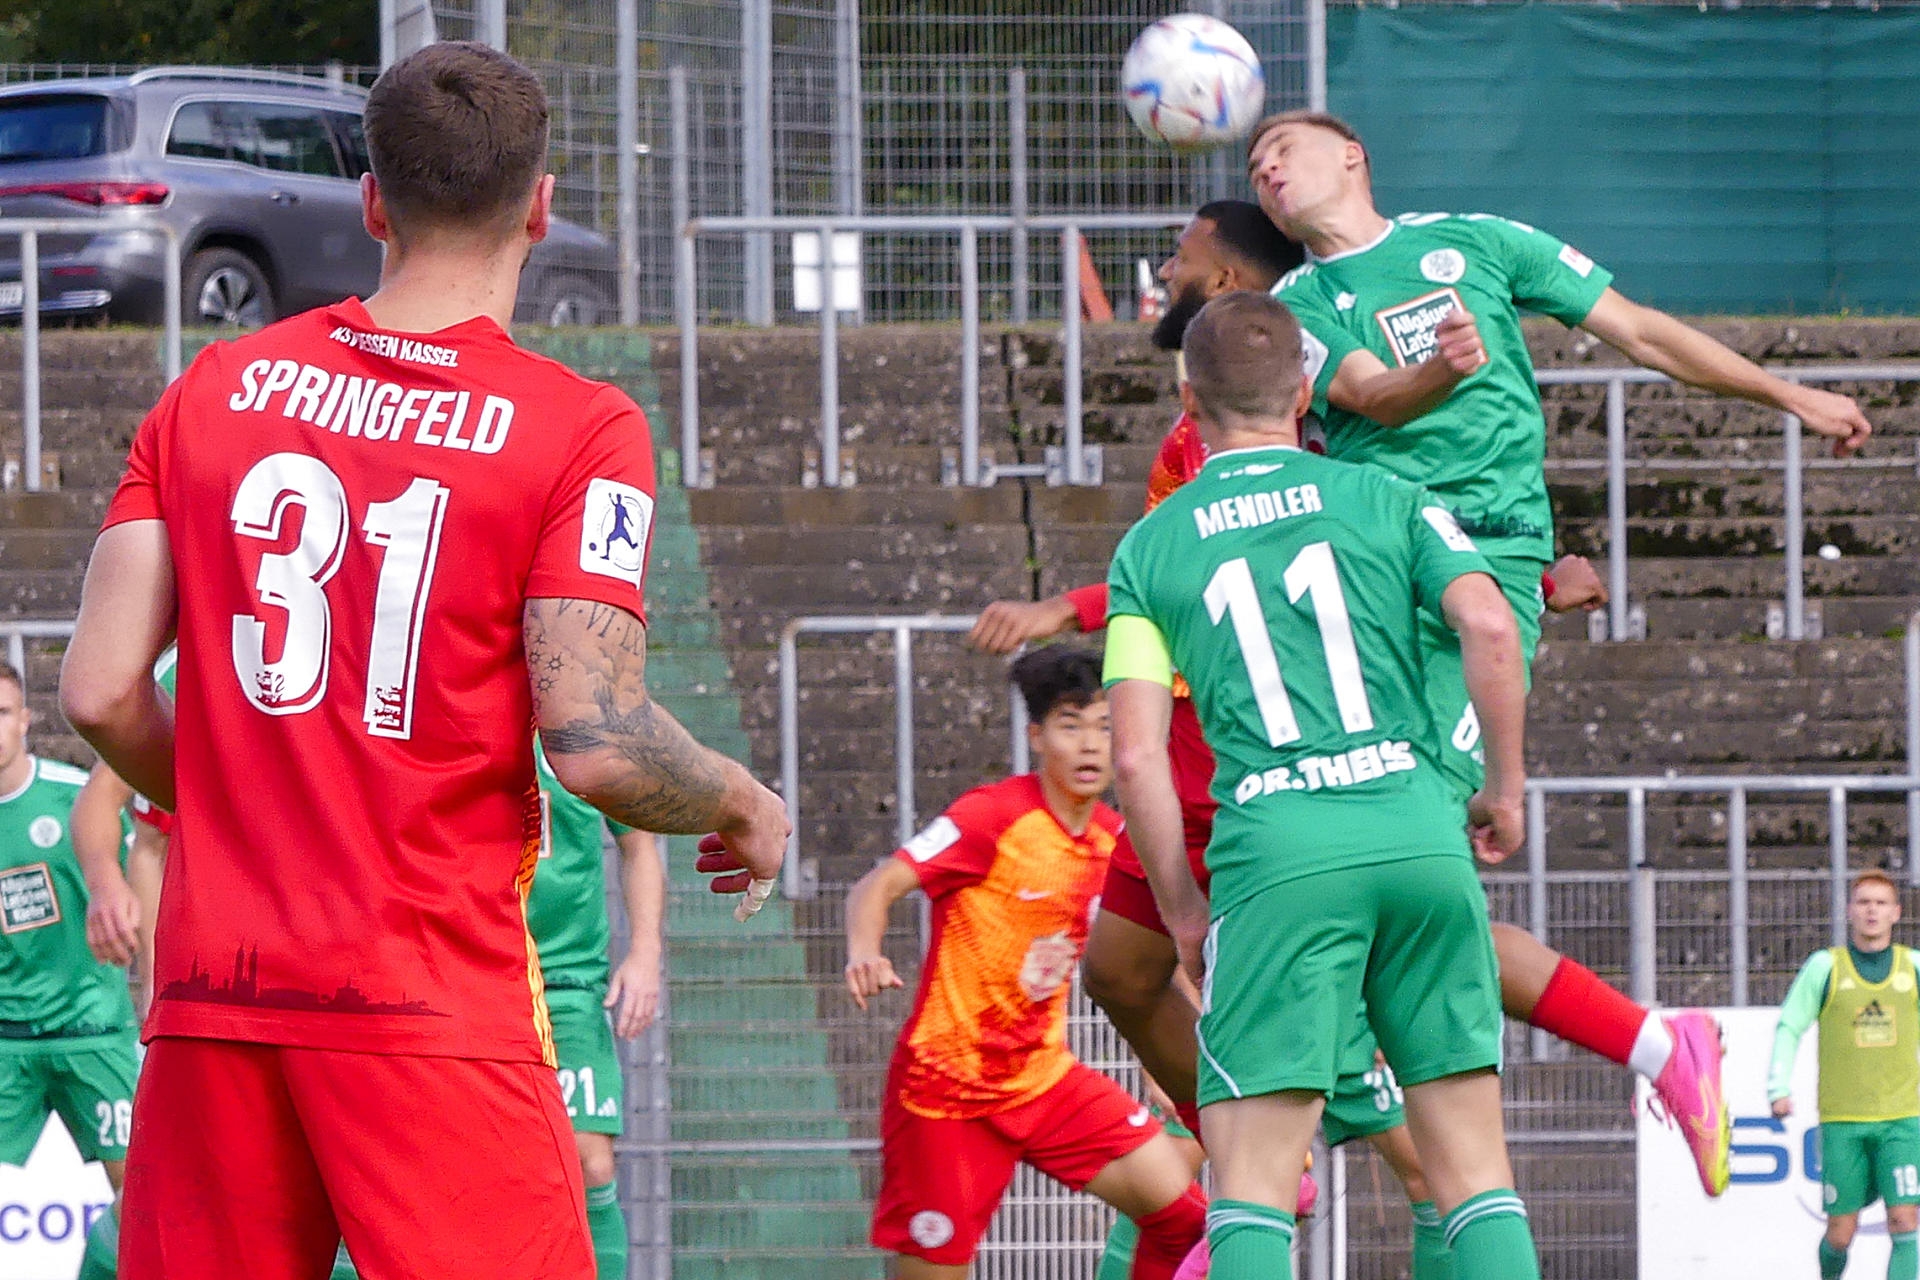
(616, 748)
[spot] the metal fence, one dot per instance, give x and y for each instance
(29, 231)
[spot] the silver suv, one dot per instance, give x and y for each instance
(257, 172)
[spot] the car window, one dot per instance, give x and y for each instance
(353, 142)
(271, 136)
(53, 127)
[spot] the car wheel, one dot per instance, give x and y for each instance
(225, 287)
(569, 300)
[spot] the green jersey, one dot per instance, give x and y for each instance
(1483, 449)
(1285, 585)
(50, 984)
(567, 906)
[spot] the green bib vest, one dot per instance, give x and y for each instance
(1870, 1042)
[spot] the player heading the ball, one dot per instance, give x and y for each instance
(1341, 869)
(380, 577)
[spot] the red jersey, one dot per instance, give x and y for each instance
(357, 519)
(1013, 895)
(1179, 460)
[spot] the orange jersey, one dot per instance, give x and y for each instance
(1013, 894)
(1179, 460)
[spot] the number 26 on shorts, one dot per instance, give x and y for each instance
(407, 527)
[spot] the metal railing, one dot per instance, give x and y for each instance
(20, 630)
(29, 231)
(794, 883)
(969, 229)
(1617, 464)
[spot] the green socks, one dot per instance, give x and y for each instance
(1249, 1241)
(102, 1258)
(1489, 1238)
(1431, 1261)
(1904, 1264)
(1117, 1261)
(1832, 1261)
(342, 1266)
(609, 1228)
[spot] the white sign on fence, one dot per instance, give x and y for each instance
(46, 1207)
(1770, 1220)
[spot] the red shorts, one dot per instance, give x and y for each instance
(427, 1166)
(941, 1180)
(1126, 893)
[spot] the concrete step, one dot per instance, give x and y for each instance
(1785, 744)
(888, 588)
(843, 547)
(791, 505)
(128, 388)
(58, 509)
(1837, 659)
(49, 551)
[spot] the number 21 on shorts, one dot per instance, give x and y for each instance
(407, 527)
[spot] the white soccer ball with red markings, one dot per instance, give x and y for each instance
(1192, 82)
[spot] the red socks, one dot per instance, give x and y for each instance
(1579, 1007)
(1168, 1236)
(1189, 1113)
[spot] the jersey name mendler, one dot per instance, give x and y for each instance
(395, 347)
(1349, 768)
(1251, 510)
(367, 408)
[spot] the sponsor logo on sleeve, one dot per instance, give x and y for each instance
(1578, 262)
(613, 530)
(939, 834)
(1409, 327)
(1313, 355)
(27, 899)
(1448, 528)
(1444, 266)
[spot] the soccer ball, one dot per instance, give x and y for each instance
(1192, 82)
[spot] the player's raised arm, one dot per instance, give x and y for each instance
(1657, 340)
(869, 902)
(1363, 383)
(107, 689)
(616, 748)
(1476, 608)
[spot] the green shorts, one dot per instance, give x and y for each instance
(1288, 967)
(1461, 757)
(590, 1079)
(1864, 1161)
(87, 1081)
(1366, 1099)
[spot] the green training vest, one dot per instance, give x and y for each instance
(1870, 1042)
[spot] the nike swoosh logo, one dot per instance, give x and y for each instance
(1032, 895)
(1139, 1118)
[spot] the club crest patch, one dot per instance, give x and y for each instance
(1444, 266)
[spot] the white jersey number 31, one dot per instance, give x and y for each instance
(406, 527)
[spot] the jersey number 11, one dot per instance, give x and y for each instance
(1230, 593)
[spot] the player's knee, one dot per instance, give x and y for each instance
(1902, 1218)
(1120, 988)
(1840, 1230)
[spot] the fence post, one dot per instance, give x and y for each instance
(756, 153)
(1737, 894)
(626, 165)
(791, 881)
(30, 353)
(1019, 267)
(969, 355)
(1616, 509)
(1641, 958)
(170, 299)
(1837, 862)
(685, 284)
(1316, 55)
(659, 1127)
(1537, 889)
(1796, 535)
(1070, 353)
(904, 816)
(829, 364)
(1018, 751)
(1913, 748)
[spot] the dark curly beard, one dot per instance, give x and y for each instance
(1170, 332)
